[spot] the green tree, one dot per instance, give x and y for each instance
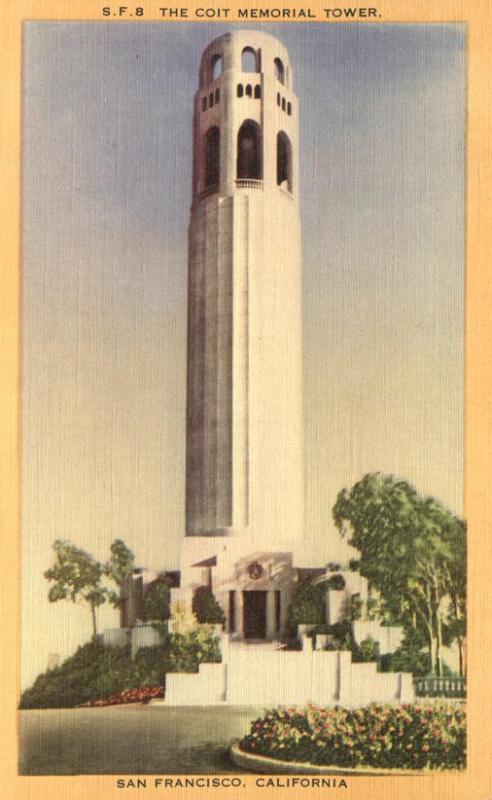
(77, 576)
(121, 562)
(413, 551)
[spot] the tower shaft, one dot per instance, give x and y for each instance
(244, 457)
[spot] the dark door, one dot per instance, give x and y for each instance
(254, 615)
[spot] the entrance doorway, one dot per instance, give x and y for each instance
(254, 621)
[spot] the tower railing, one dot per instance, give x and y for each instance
(249, 183)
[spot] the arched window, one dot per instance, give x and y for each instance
(210, 99)
(240, 90)
(212, 157)
(249, 151)
(284, 161)
(249, 60)
(216, 67)
(204, 103)
(217, 94)
(249, 90)
(289, 109)
(257, 91)
(283, 103)
(279, 70)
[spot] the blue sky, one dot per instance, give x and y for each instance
(107, 190)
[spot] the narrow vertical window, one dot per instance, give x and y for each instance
(257, 91)
(249, 90)
(278, 99)
(249, 151)
(279, 71)
(216, 67)
(204, 103)
(289, 109)
(277, 613)
(240, 90)
(283, 103)
(212, 157)
(249, 60)
(217, 94)
(210, 99)
(284, 161)
(232, 611)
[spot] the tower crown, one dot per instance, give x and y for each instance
(245, 51)
(245, 118)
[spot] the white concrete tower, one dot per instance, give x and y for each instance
(244, 447)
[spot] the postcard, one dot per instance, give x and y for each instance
(245, 424)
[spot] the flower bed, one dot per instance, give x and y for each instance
(141, 695)
(402, 737)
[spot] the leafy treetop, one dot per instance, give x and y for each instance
(413, 551)
(77, 576)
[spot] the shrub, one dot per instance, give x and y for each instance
(368, 650)
(156, 603)
(411, 656)
(354, 607)
(206, 608)
(96, 672)
(154, 662)
(92, 671)
(336, 582)
(308, 606)
(342, 636)
(189, 650)
(404, 737)
(183, 619)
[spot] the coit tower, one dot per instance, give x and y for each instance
(244, 440)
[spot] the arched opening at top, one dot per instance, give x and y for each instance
(257, 92)
(249, 151)
(279, 70)
(249, 90)
(249, 60)
(216, 67)
(284, 161)
(240, 90)
(212, 157)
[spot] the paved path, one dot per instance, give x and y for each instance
(135, 740)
